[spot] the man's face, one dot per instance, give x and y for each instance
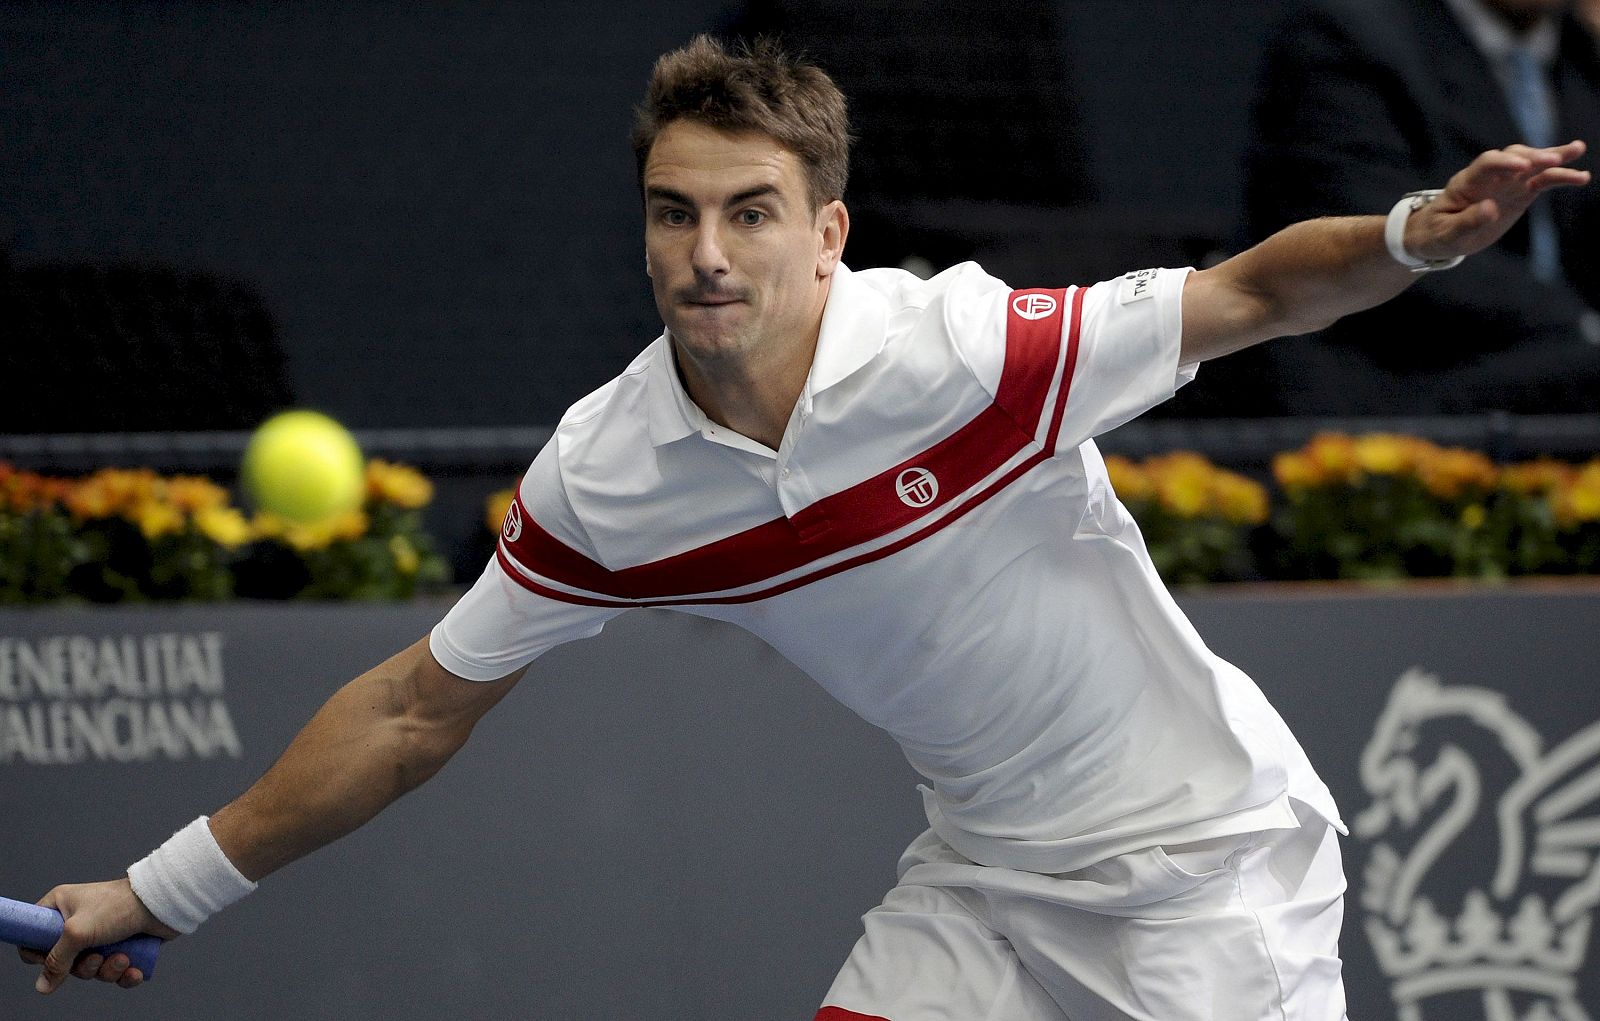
(736, 253)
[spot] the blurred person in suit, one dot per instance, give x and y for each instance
(1365, 99)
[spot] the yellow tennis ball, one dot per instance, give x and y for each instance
(304, 466)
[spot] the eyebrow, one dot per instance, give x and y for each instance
(656, 192)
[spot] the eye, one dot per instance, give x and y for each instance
(752, 217)
(674, 217)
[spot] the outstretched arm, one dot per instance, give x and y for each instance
(1310, 274)
(378, 737)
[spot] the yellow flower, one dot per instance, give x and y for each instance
(398, 484)
(1242, 501)
(405, 555)
(268, 525)
(1385, 453)
(130, 489)
(1543, 476)
(224, 526)
(194, 495)
(156, 519)
(1183, 482)
(1294, 471)
(348, 526)
(1579, 503)
(1449, 473)
(90, 498)
(496, 507)
(1333, 458)
(310, 535)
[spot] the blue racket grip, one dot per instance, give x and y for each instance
(38, 928)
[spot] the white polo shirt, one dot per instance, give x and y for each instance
(935, 541)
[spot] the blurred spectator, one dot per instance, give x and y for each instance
(1365, 100)
(1589, 12)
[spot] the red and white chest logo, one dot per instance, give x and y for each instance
(1033, 306)
(916, 487)
(512, 529)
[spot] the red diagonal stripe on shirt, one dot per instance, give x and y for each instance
(851, 517)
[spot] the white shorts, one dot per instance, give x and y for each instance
(1241, 928)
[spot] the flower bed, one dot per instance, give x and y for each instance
(1388, 506)
(1377, 506)
(131, 535)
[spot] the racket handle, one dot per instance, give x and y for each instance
(38, 928)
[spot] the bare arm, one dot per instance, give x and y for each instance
(378, 737)
(1310, 274)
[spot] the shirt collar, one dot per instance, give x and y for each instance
(1496, 39)
(852, 333)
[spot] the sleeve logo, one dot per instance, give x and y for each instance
(512, 529)
(1033, 306)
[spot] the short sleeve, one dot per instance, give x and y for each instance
(1070, 364)
(501, 624)
(1129, 337)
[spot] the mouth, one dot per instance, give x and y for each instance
(710, 300)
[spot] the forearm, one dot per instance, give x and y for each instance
(1313, 273)
(1299, 280)
(373, 741)
(1308, 275)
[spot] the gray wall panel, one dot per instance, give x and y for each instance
(670, 820)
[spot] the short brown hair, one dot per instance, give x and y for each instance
(756, 87)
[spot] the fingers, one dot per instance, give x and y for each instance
(93, 915)
(115, 969)
(1558, 177)
(87, 966)
(59, 960)
(1478, 215)
(1549, 156)
(1513, 176)
(57, 963)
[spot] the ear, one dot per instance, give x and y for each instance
(833, 221)
(649, 270)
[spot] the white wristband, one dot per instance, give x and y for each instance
(188, 879)
(1394, 233)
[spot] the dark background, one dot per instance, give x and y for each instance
(435, 205)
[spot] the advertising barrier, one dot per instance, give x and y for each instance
(671, 820)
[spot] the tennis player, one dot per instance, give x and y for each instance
(894, 482)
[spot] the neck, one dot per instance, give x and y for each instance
(752, 396)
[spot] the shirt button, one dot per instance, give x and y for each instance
(786, 473)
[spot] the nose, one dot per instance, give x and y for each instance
(710, 260)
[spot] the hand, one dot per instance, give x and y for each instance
(1484, 199)
(95, 914)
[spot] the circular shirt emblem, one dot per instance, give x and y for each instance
(512, 529)
(1033, 306)
(916, 487)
